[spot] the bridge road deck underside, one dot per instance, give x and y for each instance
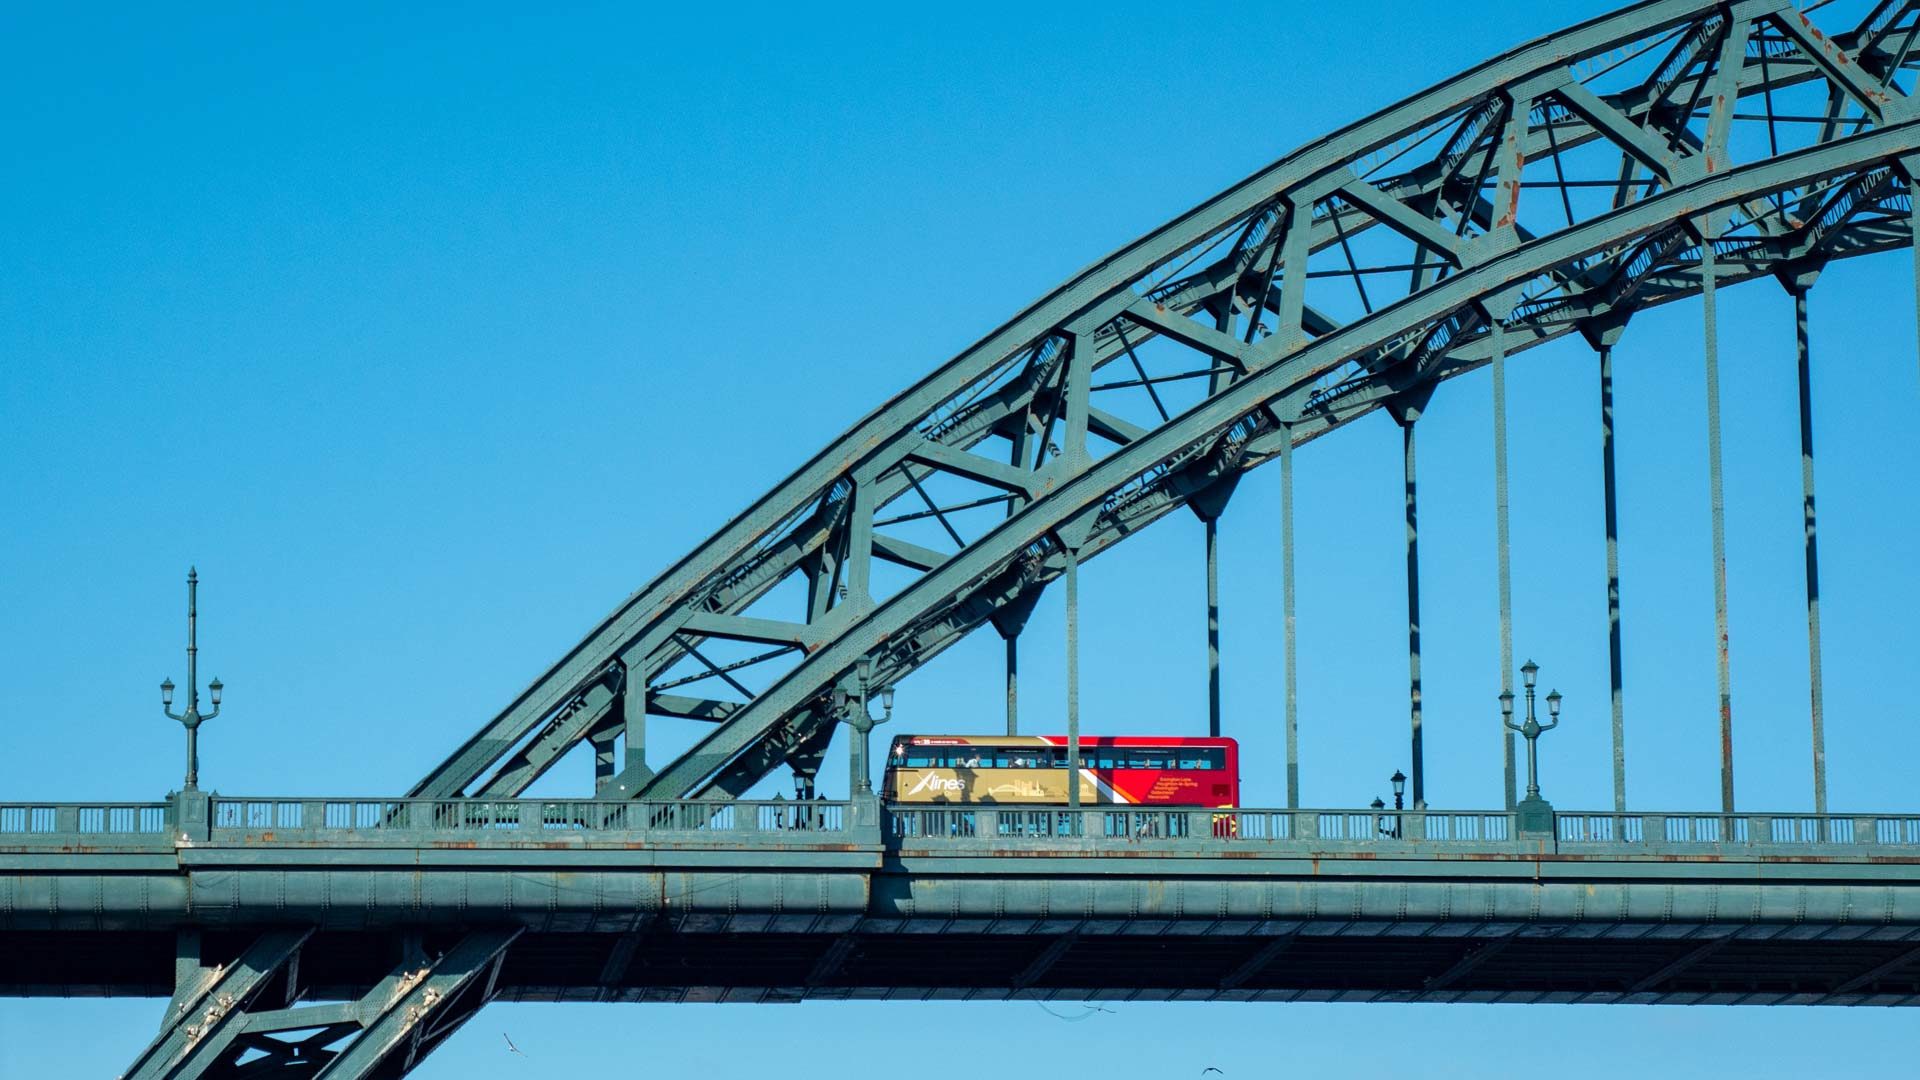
(1087, 919)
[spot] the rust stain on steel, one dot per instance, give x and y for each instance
(1719, 102)
(1510, 193)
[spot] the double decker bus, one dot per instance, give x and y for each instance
(1031, 770)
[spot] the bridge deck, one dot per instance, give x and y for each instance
(782, 901)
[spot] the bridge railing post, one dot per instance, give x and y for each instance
(1653, 830)
(863, 812)
(1865, 830)
(193, 815)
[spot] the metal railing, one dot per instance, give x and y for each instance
(267, 820)
(302, 817)
(1646, 832)
(1181, 823)
(82, 819)
(1682, 830)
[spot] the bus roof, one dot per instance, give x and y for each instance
(1057, 740)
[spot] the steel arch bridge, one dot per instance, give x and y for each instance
(1627, 162)
(1658, 153)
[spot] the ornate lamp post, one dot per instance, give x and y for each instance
(193, 717)
(1391, 825)
(1535, 813)
(863, 722)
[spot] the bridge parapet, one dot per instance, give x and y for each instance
(1616, 835)
(355, 821)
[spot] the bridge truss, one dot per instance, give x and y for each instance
(1631, 161)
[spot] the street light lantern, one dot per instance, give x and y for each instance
(1399, 781)
(1530, 729)
(1379, 803)
(192, 718)
(886, 698)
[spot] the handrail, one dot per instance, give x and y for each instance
(1573, 832)
(360, 815)
(267, 819)
(83, 818)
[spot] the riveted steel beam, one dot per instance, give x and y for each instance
(417, 1007)
(1474, 959)
(1262, 959)
(1900, 962)
(1043, 961)
(203, 1023)
(1679, 965)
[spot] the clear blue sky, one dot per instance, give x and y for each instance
(429, 336)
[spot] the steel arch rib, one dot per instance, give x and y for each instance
(1086, 492)
(1276, 211)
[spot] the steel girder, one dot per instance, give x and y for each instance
(912, 906)
(1253, 296)
(241, 1021)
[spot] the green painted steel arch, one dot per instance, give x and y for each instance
(1237, 283)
